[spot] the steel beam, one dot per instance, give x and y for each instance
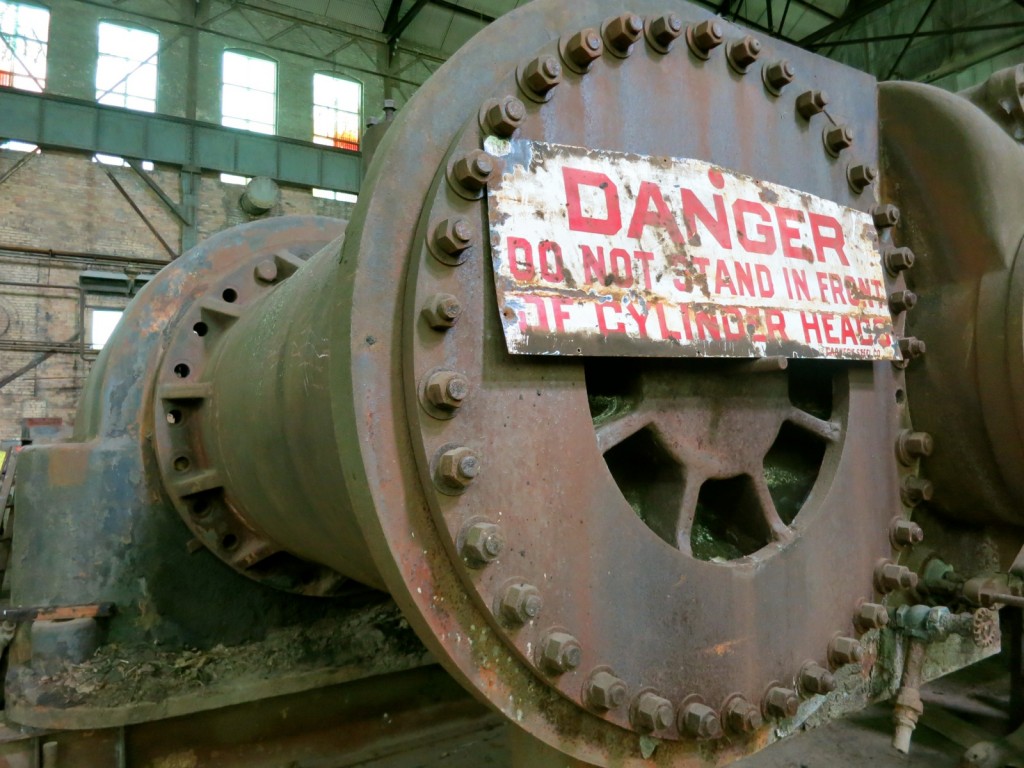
(853, 13)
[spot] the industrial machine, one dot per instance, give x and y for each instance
(666, 378)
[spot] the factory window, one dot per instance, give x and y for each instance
(102, 323)
(249, 95)
(126, 67)
(330, 194)
(336, 105)
(23, 34)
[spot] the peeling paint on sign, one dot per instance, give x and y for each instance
(609, 253)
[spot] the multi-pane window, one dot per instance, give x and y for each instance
(249, 93)
(23, 34)
(336, 103)
(126, 67)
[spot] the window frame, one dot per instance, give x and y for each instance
(237, 121)
(335, 140)
(121, 87)
(30, 81)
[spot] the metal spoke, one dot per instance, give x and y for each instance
(826, 430)
(687, 512)
(613, 432)
(779, 530)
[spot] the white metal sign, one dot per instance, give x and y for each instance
(608, 253)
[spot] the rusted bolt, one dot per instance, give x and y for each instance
(912, 347)
(699, 721)
(912, 445)
(890, 577)
(810, 103)
(870, 616)
(885, 216)
(542, 74)
(741, 716)
(584, 48)
(458, 467)
(743, 53)
(838, 138)
(779, 74)
(446, 390)
(453, 235)
(781, 702)
(902, 301)
(505, 116)
(815, 679)
(474, 169)
(651, 713)
(704, 37)
(665, 29)
(519, 604)
(442, 311)
(905, 533)
(266, 271)
(605, 691)
(482, 543)
(845, 650)
(914, 490)
(560, 652)
(622, 31)
(861, 176)
(897, 259)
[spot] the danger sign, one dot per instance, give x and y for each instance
(608, 253)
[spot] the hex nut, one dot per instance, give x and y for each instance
(905, 533)
(871, 616)
(474, 170)
(266, 271)
(560, 652)
(897, 259)
(458, 467)
(861, 176)
(902, 301)
(664, 30)
(915, 490)
(816, 680)
(837, 138)
(911, 348)
(885, 216)
(890, 577)
(911, 445)
(442, 311)
(778, 75)
(743, 53)
(741, 716)
(520, 603)
(542, 74)
(505, 116)
(584, 48)
(781, 702)
(845, 650)
(810, 103)
(446, 390)
(453, 235)
(622, 31)
(482, 543)
(605, 691)
(699, 721)
(651, 713)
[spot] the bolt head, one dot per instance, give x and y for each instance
(744, 52)
(505, 116)
(912, 445)
(519, 604)
(816, 680)
(542, 74)
(911, 348)
(742, 717)
(902, 301)
(482, 543)
(905, 533)
(458, 467)
(442, 311)
(266, 271)
(700, 721)
(897, 259)
(665, 29)
(651, 713)
(838, 138)
(781, 702)
(474, 170)
(810, 103)
(779, 75)
(453, 236)
(871, 616)
(914, 490)
(885, 216)
(861, 176)
(605, 691)
(560, 652)
(621, 32)
(584, 48)
(707, 36)
(890, 577)
(447, 390)
(845, 650)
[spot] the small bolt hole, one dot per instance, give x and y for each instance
(182, 463)
(174, 416)
(229, 542)
(182, 371)
(230, 295)
(200, 328)
(901, 396)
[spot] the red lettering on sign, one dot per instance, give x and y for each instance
(707, 324)
(621, 267)
(559, 311)
(717, 225)
(602, 321)
(640, 317)
(810, 325)
(792, 246)
(551, 275)
(743, 208)
(523, 270)
(594, 269)
(775, 323)
(732, 323)
(666, 332)
(660, 217)
(645, 257)
(542, 315)
(765, 284)
(836, 241)
(574, 178)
